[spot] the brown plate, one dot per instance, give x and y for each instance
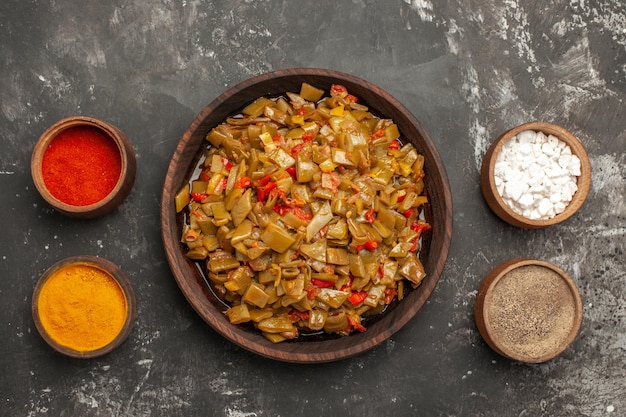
(193, 284)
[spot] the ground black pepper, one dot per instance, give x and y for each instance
(531, 311)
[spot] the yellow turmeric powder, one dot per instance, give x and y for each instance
(82, 307)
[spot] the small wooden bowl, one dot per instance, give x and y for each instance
(528, 310)
(501, 208)
(190, 279)
(119, 192)
(46, 327)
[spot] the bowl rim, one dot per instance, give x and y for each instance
(221, 107)
(501, 208)
(484, 295)
(115, 272)
(127, 172)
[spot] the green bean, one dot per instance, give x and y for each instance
(300, 202)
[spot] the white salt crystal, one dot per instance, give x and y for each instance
(537, 189)
(555, 198)
(560, 180)
(543, 160)
(548, 149)
(540, 137)
(525, 149)
(544, 206)
(513, 190)
(526, 200)
(552, 141)
(513, 175)
(559, 207)
(527, 136)
(560, 145)
(500, 167)
(574, 166)
(564, 161)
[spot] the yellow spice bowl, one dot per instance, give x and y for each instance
(84, 306)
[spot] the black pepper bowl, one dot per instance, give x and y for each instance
(121, 189)
(528, 310)
(189, 275)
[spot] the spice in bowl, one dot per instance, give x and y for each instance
(535, 175)
(528, 310)
(83, 167)
(84, 306)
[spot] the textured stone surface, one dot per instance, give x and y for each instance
(468, 70)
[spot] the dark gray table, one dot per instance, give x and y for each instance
(468, 70)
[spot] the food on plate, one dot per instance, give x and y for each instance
(306, 213)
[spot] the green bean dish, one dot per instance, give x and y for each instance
(306, 214)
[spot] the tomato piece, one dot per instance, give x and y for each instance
(419, 227)
(311, 292)
(263, 181)
(308, 137)
(227, 164)
(390, 294)
(264, 192)
(297, 149)
(198, 196)
(242, 182)
(370, 215)
(222, 185)
(205, 175)
(370, 245)
(379, 133)
(357, 297)
(281, 209)
(296, 316)
(355, 324)
(322, 284)
(301, 213)
(338, 90)
(348, 286)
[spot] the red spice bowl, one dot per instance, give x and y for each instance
(83, 167)
(84, 306)
(528, 310)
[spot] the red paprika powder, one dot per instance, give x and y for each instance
(81, 166)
